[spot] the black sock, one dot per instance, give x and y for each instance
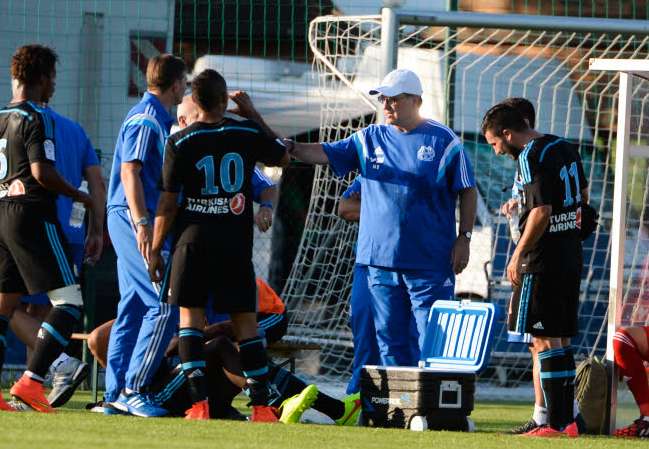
(285, 383)
(254, 364)
(569, 384)
(553, 378)
(331, 407)
(190, 350)
(4, 325)
(53, 337)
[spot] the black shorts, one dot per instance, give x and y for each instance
(34, 257)
(545, 304)
(200, 269)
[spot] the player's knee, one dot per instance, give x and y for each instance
(69, 295)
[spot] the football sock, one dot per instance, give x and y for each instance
(4, 325)
(540, 415)
(569, 385)
(254, 364)
(628, 359)
(52, 338)
(190, 350)
(331, 407)
(553, 378)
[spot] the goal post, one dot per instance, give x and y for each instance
(628, 69)
(467, 62)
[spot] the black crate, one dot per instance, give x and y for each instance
(392, 396)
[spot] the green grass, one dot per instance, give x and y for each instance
(73, 427)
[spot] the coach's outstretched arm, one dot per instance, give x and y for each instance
(311, 153)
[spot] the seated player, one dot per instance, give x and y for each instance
(225, 378)
(631, 348)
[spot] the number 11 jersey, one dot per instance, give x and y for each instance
(551, 173)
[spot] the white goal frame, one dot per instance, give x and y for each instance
(628, 70)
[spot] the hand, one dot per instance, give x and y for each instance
(93, 248)
(84, 199)
(156, 265)
(289, 144)
(460, 254)
(513, 269)
(244, 107)
(144, 238)
(264, 218)
(508, 208)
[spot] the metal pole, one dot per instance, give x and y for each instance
(389, 31)
(449, 50)
(618, 231)
(524, 22)
(389, 52)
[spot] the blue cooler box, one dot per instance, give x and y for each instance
(439, 393)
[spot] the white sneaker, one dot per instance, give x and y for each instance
(65, 379)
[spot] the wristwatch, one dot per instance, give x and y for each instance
(144, 221)
(467, 235)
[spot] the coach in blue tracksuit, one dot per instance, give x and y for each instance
(366, 350)
(145, 322)
(413, 170)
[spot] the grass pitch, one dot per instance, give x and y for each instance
(72, 427)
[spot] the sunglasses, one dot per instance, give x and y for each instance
(391, 100)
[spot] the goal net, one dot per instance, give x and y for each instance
(465, 70)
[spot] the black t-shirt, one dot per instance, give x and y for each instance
(211, 165)
(26, 136)
(551, 173)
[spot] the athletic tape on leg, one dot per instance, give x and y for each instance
(69, 295)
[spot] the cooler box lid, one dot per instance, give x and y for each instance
(458, 336)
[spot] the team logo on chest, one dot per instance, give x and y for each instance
(238, 203)
(425, 153)
(378, 159)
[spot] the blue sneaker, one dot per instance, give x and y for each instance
(139, 404)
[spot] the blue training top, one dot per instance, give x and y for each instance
(74, 153)
(410, 182)
(260, 182)
(141, 138)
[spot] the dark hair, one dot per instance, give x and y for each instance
(503, 116)
(164, 70)
(209, 89)
(524, 106)
(31, 62)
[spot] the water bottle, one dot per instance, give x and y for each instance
(513, 225)
(78, 211)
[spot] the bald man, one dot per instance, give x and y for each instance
(264, 190)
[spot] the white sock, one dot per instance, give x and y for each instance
(575, 408)
(60, 359)
(540, 415)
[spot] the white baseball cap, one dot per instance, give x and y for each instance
(400, 81)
